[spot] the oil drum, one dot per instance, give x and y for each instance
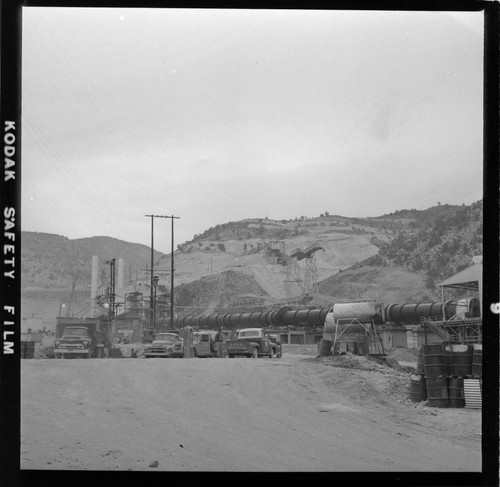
(418, 390)
(325, 348)
(446, 347)
(27, 349)
(456, 392)
(461, 360)
(420, 362)
(477, 360)
(437, 392)
(433, 361)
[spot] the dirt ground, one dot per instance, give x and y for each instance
(297, 413)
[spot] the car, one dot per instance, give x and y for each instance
(165, 345)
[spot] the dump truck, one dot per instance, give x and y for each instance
(82, 338)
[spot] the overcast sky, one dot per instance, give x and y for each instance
(220, 115)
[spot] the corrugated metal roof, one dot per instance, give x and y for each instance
(469, 276)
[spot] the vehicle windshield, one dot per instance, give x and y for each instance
(249, 333)
(166, 337)
(75, 332)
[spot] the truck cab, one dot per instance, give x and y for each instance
(74, 342)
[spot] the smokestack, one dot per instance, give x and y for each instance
(120, 294)
(121, 268)
(93, 285)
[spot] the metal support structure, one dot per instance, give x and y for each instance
(308, 278)
(343, 326)
(457, 331)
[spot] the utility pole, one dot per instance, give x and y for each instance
(151, 298)
(172, 275)
(171, 270)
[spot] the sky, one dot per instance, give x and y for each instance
(220, 115)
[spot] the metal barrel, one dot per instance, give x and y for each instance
(446, 348)
(433, 361)
(437, 392)
(456, 392)
(461, 360)
(27, 349)
(420, 362)
(477, 360)
(325, 348)
(418, 388)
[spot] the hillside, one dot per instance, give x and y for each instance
(441, 246)
(54, 261)
(248, 265)
(387, 284)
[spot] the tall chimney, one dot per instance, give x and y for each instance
(120, 293)
(93, 286)
(121, 268)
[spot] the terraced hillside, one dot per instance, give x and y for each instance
(257, 262)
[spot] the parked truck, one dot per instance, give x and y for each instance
(253, 342)
(204, 343)
(82, 338)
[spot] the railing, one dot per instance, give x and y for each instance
(465, 330)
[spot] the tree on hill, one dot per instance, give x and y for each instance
(442, 248)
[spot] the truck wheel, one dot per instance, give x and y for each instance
(255, 353)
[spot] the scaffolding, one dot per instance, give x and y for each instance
(466, 325)
(306, 279)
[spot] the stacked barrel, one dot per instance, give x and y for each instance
(441, 372)
(27, 349)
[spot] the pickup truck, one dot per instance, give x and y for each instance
(254, 343)
(204, 343)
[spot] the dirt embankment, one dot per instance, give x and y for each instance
(298, 413)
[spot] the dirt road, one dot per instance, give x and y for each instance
(298, 413)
